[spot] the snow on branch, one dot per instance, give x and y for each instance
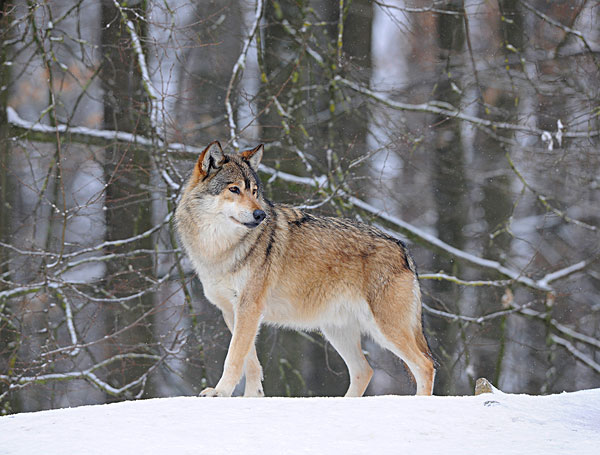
(90, 135)
(562, 328)
(566, 271)
(448, 110)
(576, 353)
(557, 24)
(69, 316)
(475, 319)
(453, 279)
(15, 120)
(22, 290)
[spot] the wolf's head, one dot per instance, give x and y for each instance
(225, 189)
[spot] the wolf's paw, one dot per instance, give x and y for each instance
(212, 392)
(254, 392)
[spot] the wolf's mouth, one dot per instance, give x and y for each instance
(250, 225)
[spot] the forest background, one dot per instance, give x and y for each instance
(469, 129)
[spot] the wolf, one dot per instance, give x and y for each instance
(261, 262)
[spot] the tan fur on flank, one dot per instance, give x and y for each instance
(262, 262)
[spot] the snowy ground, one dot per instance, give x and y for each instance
(497, 423)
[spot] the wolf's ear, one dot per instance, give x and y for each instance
(211, 158)
(254, 156)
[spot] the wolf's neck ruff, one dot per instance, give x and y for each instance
(260, 261)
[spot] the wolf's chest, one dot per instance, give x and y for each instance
(222, 287)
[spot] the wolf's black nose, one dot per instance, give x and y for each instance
(259, 215)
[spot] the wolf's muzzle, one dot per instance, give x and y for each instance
(259, 216)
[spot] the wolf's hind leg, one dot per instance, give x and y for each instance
(419, 363)
(398, 318)
(346, 341)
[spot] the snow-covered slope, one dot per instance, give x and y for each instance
(486, 424)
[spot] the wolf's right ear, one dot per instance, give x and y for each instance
(212, 157)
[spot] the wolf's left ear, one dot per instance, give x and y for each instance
(212, 157)
(254, 156)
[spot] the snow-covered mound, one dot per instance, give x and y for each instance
(485, 424)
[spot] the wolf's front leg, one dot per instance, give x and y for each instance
(254, 375)
(252, 368)
(245, 328)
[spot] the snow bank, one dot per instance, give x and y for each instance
(485, 424)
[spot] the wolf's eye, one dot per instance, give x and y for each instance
(254, 191)
(234, 189)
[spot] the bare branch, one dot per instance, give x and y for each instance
(588, 361)
(445, 109)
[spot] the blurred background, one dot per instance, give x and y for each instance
(469, 129)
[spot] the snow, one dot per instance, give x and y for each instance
(495, 423)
